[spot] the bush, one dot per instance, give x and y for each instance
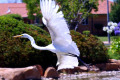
(114, 51)
(92, 50)
(19, 52)
(15, 16)
(86, 32)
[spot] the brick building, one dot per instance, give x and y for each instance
(98, 19)
(93, 23)
(15, 8)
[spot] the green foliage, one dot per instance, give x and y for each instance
(92, 50)
(114, 51)
(86, 32)
(15, 16)
(19, 52)
(33, 7)
(115, 11)
(70, 8)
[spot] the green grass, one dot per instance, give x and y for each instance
(105, 38)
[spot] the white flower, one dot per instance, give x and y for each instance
(110, 23)
(115, 24)
(109, 31)
(116, 46)
(112, 27)
(105, 28)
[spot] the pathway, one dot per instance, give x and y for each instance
(107, 43)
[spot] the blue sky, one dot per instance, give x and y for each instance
(10, 1)
(15, 1)
(111, 0)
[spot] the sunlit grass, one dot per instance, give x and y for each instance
(105, 38)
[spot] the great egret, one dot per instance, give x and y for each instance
(62, 44)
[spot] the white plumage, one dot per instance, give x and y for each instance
(60, 34)
(62, 43)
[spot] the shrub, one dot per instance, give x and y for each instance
(114, 51)
(92, 50)
(15, 16)
(19, 52)
(86, 32)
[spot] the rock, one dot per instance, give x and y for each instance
(72, 71)
(81, 69)
(101, 66)
(108, 66)
(118, 61)
(51, 72)
(40, 69)
(67, 71)
(94, 68)
(112, 66)
(21, 73)
(112, 60)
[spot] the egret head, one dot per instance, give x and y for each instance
(22, 36)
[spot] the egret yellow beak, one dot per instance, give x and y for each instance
(17, 36)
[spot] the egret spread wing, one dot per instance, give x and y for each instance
(54, 21)
(57, 27)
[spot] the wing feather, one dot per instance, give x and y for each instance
(57, 27)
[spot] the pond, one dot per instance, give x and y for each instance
(104, 75)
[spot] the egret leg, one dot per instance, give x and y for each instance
(87, 65)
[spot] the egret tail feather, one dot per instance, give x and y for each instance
(87, 65)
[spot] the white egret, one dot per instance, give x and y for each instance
(62, 44)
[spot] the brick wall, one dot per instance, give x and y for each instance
(96, 20)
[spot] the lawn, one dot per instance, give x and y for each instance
(105, 38)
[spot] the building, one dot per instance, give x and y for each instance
(93, 23)
(15, 8)
(98, 19)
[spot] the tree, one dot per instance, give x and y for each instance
(76, 11)
(33, 7)
(72, 9)
(115, 11)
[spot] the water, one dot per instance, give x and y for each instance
(105, 75)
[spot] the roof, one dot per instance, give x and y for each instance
(13, 8)
(20, 8)
(102, 7)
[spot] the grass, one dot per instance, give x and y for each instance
(105, 38)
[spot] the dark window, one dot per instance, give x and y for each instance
(85, 21)
(37, 20)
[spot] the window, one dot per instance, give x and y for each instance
(85, 21)
(37, 20)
